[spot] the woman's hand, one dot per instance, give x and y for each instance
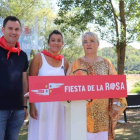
(114, 115)
(115, 112)
(33, 111)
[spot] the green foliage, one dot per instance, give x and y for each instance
(72, 48)
(103, 14)
(23, 9)
(137, 84)
(132, 72)
(27, 10)
(136, 90)
(32, 54)
(109, 53)
(132, 61)
(118, 23)
(72, 53)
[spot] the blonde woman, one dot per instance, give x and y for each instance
(102, 114)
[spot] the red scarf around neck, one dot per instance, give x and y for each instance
(58, 57)
(4, 45)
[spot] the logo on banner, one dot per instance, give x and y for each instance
(49, 90)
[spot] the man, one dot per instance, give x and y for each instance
(13, 80)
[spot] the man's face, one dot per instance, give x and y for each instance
(11, 32)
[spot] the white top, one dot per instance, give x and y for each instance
(50, 123)
(48, 70)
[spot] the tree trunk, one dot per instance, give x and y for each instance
(122, 42)
(121, 58)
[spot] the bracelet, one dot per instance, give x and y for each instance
(117, 103)
(25, 106)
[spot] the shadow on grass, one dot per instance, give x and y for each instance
(131, 129)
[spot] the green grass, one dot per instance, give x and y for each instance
(127, 131)
(131, 129)
(23, 133)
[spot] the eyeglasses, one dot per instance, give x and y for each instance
(81, 70)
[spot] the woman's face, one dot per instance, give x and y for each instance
(90, 45)
(55, 43)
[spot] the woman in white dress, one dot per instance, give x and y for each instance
(47, 119)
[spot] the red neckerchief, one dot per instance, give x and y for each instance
(3, 44)
(58, 57)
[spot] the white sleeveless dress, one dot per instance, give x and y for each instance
(50, 124)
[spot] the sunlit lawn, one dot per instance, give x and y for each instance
(127, 131)
(131, 129)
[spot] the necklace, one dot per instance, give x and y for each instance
(92, 60)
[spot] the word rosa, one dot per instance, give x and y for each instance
(113, 86)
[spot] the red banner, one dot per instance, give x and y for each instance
(63, 88)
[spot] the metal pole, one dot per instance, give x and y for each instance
(36, 34)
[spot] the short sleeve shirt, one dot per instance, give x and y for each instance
(11, 72)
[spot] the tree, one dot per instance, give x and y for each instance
(32, 54)
(23, 9)
(72, 48)
(118, 23)
(26, 11)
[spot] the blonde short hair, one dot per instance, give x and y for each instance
(91, 34)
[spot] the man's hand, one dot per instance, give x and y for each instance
(26, 113)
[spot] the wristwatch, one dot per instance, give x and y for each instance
(117, 103)
(25, 106)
